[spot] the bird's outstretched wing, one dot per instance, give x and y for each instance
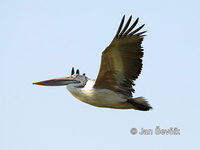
(121, 61)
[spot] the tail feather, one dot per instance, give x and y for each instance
(140, 103)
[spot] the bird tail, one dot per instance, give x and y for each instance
(140, 103)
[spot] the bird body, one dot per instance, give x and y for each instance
(99, 97)
(103, 97)
(121, 64)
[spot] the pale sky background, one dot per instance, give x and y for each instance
(42, 39)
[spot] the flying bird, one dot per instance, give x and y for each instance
(121, 64)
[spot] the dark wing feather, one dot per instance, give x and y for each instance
(121, 61)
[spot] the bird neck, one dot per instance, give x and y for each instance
(88, 84)
(77, 85)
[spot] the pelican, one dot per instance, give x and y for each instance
(121, 64)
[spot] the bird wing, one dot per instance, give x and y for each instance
(121, 61)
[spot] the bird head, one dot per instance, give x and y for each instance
(75, 79)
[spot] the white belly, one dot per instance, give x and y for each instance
(100, 97)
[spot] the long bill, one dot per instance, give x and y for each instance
(57, 81)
